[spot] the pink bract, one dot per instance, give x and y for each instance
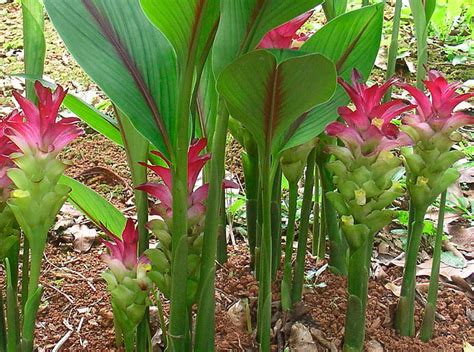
(196, 198)
(123, 252)
(435, 112)
(368, 129)
(282, 37)
(40, 131)
(7, 147)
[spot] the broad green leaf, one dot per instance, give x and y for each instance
(128, 57)
(94, 206)
(267, 93)
(185, 23)
(34, 44)
(94, 118)
(244, 23)
(351, 41)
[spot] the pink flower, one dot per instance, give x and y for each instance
(369, 129)
(40, 131)
(7, 147)
(196, 198)
(282, 37)
(123, 252)
(435, 113)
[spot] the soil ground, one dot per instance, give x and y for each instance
(75, 305)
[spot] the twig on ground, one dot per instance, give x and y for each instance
(61, 342)
(69, 298)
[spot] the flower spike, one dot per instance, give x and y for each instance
(41, 132)
(282, 37)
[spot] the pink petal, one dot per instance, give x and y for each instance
(424, 103)
(196, 148)
(194, 168)
(163, 172)
(159, 191)
(348, 135)
(200, 194)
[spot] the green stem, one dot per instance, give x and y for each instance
(393, 49)
(286, 302)
(161, 316)
(365, 2)
(319, 239)
(276, 223)
(129, 341)
(25, 270)
(13, 333)
(265, 265)
(430, 307)
(250, 166)
(136, 148)
(298, 279)
(258, 241)
(357, 287)
(221, 233)
(421, 32)
(337, 243)
(3, 328)
(405, 320)
(118, 333)
(179, 329)
(205, 321)
(334, 8)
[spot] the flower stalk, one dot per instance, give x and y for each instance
(363, 169)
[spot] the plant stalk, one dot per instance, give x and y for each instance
(205, 321)
(298, 279)
(25, 273)
(221, 233)
(250, 166)
(286, 301)
(405, 320)
(393, 49)
(430, 307)
(13, 332)
(319, 238)
(3, 327)
(265, 265)
(276, 223)
(357, 280)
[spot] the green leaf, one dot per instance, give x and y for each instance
(244, 23)
(267, 96)
(94, 206)
(185, 23)
(351, 40)
(128, 57)
(33, 41)
(94, 118)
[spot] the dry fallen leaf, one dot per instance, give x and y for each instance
(84, 237)
(424, 269)
(301, 339)
(374, 346)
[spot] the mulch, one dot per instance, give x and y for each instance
(75, 304)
